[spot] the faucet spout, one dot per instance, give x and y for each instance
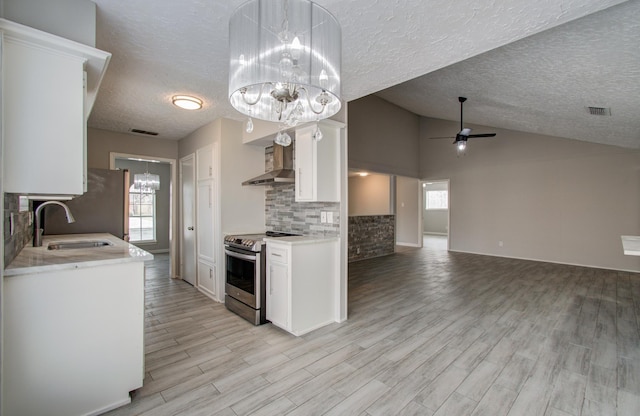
(37, 230)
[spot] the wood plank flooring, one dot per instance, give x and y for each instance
(429, 333)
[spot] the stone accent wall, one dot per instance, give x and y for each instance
(283, 213)
(371, 236)
(23, 231)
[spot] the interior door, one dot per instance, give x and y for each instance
(188, 219)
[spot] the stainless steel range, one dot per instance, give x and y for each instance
(245, 285)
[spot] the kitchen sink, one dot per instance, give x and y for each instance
(66, 245)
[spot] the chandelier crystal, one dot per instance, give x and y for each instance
(285, 59)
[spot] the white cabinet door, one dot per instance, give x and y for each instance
(206, 277)
(278, 295)
(317, 164)
(278, 285)
(305, 150)
(44, 131)
(205, 162)
(49, 85)
(205, 221)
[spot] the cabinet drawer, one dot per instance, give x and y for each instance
(278, 255)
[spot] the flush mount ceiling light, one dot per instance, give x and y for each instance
(285, 58)
(187, 102)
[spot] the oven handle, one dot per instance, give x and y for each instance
(239, 255)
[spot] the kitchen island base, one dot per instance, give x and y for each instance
(73, 340)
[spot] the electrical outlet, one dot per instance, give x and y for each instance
(323, 217)
(330, 217)
(357, 250)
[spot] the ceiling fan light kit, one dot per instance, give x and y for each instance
(465, 133)
(285, 62)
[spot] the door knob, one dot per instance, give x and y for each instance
(190, 228)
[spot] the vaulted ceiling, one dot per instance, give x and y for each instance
(531, 66)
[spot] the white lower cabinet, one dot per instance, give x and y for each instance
(302, 283)
(73, 340)
(206, 277)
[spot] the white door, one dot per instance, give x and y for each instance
(188, 220)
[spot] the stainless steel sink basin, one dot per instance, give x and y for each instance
(66, 245)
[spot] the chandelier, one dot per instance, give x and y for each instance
(285, 58)
(146, 182)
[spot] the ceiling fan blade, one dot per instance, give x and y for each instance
(482, 135)
(464, 132)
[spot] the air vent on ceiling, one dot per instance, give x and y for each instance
(148, 133)
(599, 111)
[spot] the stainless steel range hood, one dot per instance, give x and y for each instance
(282, 172)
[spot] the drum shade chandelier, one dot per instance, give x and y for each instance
(146, 182)
(285, 58)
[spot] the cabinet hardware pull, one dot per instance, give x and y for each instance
(299, 183)
(190, 228)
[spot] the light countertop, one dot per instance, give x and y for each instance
(42, 260)
(631, 245)
(300, 239)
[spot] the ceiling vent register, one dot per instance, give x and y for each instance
(599, 111)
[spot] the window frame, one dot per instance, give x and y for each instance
(133, 191)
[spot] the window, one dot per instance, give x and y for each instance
(436, 200)
(142, 215)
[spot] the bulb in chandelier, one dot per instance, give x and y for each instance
(323, 78)
(296, 48)
(249, 127)
(317, 135)
(462, 145)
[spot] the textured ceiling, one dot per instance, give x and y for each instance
(544, 83)
(164, 47)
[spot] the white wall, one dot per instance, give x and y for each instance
(545, 198)
(383, 137)
(71, 19)
(370, 195)
(408, 205)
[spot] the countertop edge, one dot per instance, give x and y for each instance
(297, 240)
(630, 245)
(39, 260)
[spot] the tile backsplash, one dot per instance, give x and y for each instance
(283, 213)
(22, 230)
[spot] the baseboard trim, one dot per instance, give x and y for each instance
(547, 261)
(408, 244)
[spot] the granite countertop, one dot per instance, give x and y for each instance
(631, 245)
(42, 260)
(301, 239)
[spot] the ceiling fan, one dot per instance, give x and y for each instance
(464, 134)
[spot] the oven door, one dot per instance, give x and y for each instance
(243, 276)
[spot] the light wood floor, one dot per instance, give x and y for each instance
(429, 333)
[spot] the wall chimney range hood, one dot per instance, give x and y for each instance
(282, 172)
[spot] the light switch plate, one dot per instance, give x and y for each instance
(330, 217)
(323, 217)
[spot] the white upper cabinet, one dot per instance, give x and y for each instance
(204, 158)
(49, 85)
(317, 164)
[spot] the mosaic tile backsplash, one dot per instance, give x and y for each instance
(23, 231)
